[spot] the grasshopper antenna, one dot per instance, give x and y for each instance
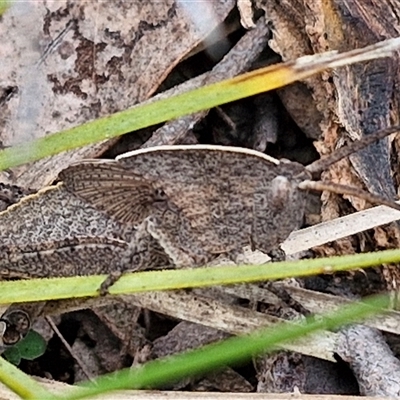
(349, 190)
(317, 167)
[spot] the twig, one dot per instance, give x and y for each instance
(69, 348)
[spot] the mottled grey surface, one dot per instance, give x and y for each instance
(54, 233)
(374, 365)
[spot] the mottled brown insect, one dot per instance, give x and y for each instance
(54, 233)
(216, 197)
(220, 198)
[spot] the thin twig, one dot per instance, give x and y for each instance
(69, 348)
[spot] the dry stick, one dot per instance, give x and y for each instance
(214, 314)
(349, 190)
(69, 348)
(62, 389)
(317, 167)
(238, 60)
(336, 229)
(375, 367)
(245, 9)
(315, 302)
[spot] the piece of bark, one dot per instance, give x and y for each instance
(365, 91)
(185, 336)
(353, 100)
(375, 368)
(121, 319)
(290, 39)
(246, 13)
(366, 100)
(227, 380)
(301, 106)
(282, 372)
(65, 63)
(238, 60)
(109, 350)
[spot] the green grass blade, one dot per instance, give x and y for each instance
(232, 351)
(82, 286)
(4, 6)
(206, 97)
(20, 383)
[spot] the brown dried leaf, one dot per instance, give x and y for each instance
(64, 63)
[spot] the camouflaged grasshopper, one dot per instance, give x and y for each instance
(220, 199)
